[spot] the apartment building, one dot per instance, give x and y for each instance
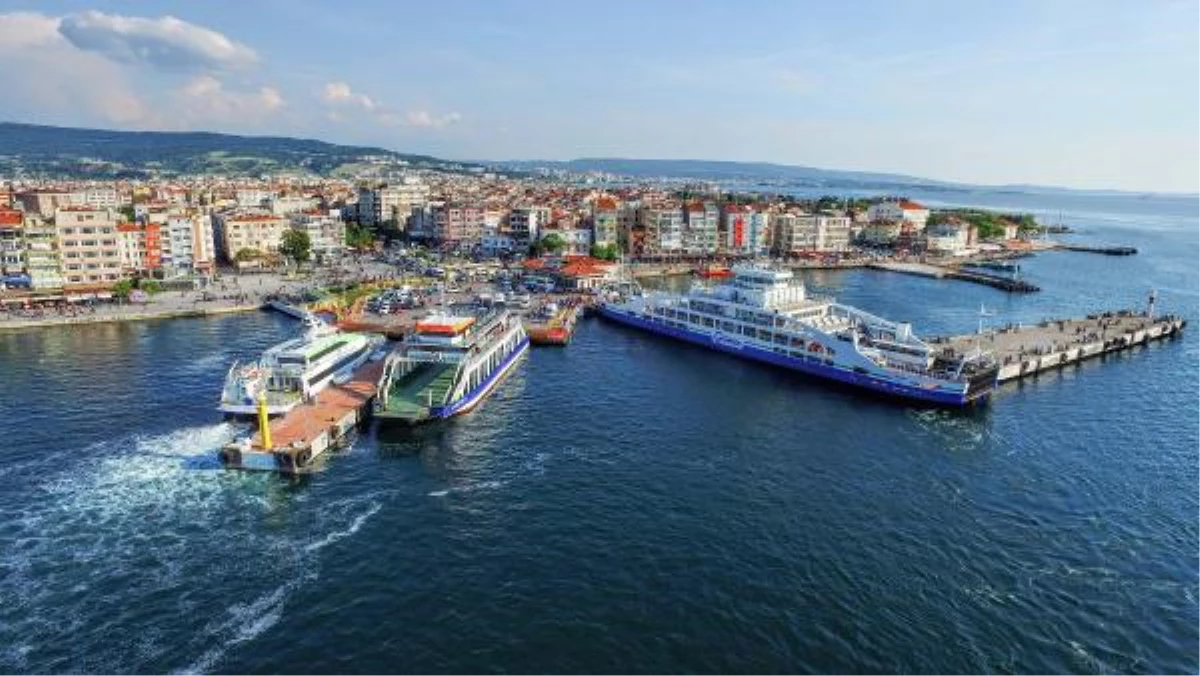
(89, 245)
(44, 202)
(12, 242)
(391, 202)
(525, 223)
(800, 233)
(188, 244)
(326, 233)
(745, 230)
(459, 223)
(141, 249)
(661, 228)
(901, 210)
(255, 230)
(701, 225)
(606, 221)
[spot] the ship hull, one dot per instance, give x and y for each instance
(833, 373)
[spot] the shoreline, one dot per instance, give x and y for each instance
(17, 325)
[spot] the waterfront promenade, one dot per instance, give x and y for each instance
(229, 293)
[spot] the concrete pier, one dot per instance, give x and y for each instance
(940, 272)
(310, 429)
(1026, 350)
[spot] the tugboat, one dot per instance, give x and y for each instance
(448, 365)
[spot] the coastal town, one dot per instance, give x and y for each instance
(464, 271)
(65, 242)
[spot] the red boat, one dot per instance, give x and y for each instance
(714, 270)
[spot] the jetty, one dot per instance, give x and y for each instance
(1106, 250)
(939, 272)
(1023, 351)
(291, 443)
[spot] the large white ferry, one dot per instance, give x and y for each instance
(448, 365)
(766, 315)
(296, 369)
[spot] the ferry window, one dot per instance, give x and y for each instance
(764, 335)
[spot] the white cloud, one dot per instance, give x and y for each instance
(205, 100)
(163, 42)
(339, 94)
(346, 105)
(46, 79)
(426, 119)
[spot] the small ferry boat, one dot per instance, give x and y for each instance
(552, 324)
(714, 271)
(295, 370)
(448, 365)
(766, 315)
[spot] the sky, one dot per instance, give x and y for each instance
(1077, 93)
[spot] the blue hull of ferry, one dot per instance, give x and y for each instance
(834, 373)
(472, 398)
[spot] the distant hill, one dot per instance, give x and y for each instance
(724, 171)
(31, 150)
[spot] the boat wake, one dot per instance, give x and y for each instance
(117, 526)
(468, 488)
(356, 524)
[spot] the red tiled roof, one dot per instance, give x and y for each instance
(10, 217)
(909, 205)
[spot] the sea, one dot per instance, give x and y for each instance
(629, 504)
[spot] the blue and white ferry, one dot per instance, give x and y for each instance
(448, 365)
(766, 315)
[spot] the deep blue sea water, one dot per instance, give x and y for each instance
(627, 504)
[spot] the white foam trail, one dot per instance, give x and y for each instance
(246, 623)
(338, 535)
(469, 488)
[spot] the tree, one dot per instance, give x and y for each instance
(554, 242)
(123, 288)
(246, 255)
(359, 237)
(296, 245)
(607, 252)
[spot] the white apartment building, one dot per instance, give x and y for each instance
(526, 223)
(284, 205)
(100, 197)
(253, 198)
(89, 245)
(798, 233)
(701, 226)
(188, 244)
(950, 238)
(326, 233)
(902, 210)
(392, 202)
